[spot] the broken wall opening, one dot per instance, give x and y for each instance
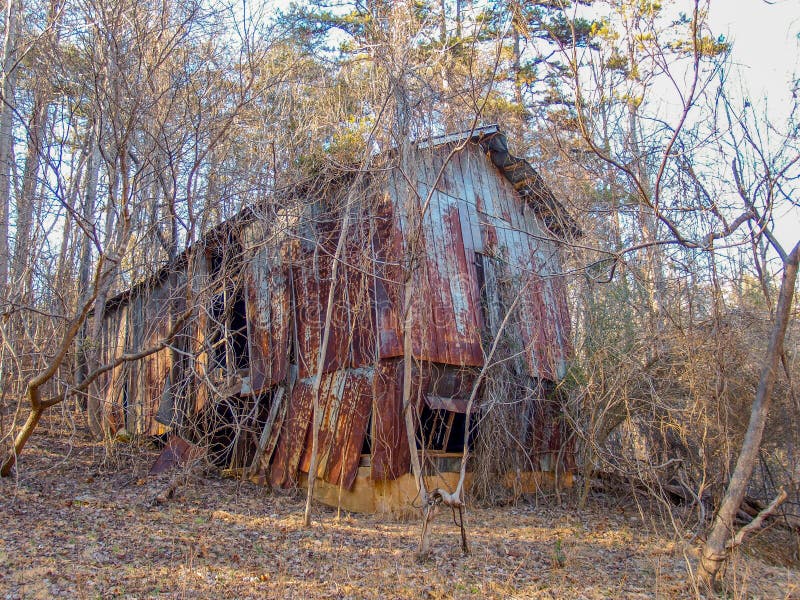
(230, 429)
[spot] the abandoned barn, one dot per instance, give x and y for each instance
(476, 235)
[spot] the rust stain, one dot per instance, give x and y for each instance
(268, 306)
(345, 397)
(387, 247)
(351, 339)
(390, 453)
(295, 430)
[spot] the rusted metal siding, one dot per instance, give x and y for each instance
(446, 317)
(268, 304)
(481, 248)
(525, 258)
(155, 368)
(351, 336)
(345, 399)
(134, 391)
(197, 328)
(472, 211)
(390, 453)
(295, 433)
(312, 278)
(388, 282)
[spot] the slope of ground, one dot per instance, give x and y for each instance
(78, 524)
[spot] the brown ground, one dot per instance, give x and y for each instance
(78, 524)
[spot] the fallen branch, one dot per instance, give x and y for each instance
(756, 523)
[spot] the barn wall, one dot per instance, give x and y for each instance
(483, 249)
(267, 280)
(112, 383)
(474, 221)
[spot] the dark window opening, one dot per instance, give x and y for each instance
(366, 448)
(217, 333)
(442, 430)
(231, 428)
(228, 333)
(125, 414)
(216, 262)
(238, 328)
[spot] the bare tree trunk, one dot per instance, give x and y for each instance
(21, 439)
(6, 134)
(93, 159)
(715, 551)
(37, 130)
(26, 202)
(33, 389)
(103, 287)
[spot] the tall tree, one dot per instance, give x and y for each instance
(11, 51)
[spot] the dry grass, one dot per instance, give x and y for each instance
(75, 525)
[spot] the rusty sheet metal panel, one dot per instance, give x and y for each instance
(311, 277)
(157, 366)
(388, 290)
(268, 304)
(448, 387)
(357, 283)
(549, 447)
(294, 432)
(390, 453)
(197, 364)
(133, 383)
(446, 303)
(539, 330)
(156, 379)
(345, 398)
(525, 259)
(177, 451)
(351, 337)
(440, 386)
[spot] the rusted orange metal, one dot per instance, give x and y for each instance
(177, 451)
(390, 452)
(267, 286)
(346, 404)
(295, 432)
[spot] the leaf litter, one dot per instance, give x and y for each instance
(79, 521)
